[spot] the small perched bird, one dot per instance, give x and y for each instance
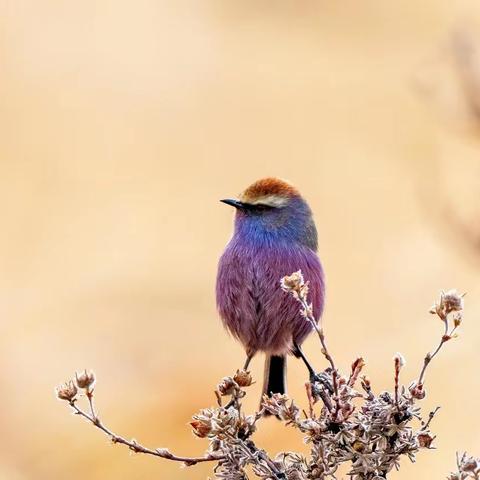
(274, 236)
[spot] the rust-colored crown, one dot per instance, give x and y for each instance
(268, 187)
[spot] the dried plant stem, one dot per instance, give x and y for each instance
(269, 468)
(307, 309)
(370, 438)
(397, 375)
(431, 415)
(133, 444)
(89, 395)
(430, 356)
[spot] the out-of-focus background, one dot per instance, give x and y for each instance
(121, 126)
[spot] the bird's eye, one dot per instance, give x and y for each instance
(262, 207)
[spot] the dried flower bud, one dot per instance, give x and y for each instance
(243, 378)
(85, 380)
(278, 405)
(470, 464)
(457, 319)
(226, 386)
(417, 391)
(357, 367)
(296, 285)
(202, 423)
(425, 440)
(246, 425)
(399, 361)
(358, 446)
(68, 391)
(359, 363)
(468, 467)
(452, 301)
(366, 381)
(201, 428)
(292, 282)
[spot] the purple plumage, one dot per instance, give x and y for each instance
(250, 301)
(274, 236)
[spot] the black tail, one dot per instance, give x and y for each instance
(275, 379)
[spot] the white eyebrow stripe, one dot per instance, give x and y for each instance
(270, 200)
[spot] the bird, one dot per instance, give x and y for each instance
(274, 235)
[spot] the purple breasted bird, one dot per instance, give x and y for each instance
(274, 236)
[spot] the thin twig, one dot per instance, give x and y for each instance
(309, 316)
(430, 418)
(319, 330)
(371, 437)
(137, 447)
(429, 356)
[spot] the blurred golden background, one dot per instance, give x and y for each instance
(122, 125)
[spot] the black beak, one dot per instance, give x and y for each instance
(234, 203)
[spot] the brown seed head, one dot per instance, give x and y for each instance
(227, 386)
(399, 361)
(452, 301)
(68, 391)
(243, 378)
(292, 282)
(85, 380)
(417, 391)
(470, 464)
(298, 287)
(201, 428)
(425, 440)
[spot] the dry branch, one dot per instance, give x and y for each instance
(345, 424)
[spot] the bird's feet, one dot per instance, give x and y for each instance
(324, 379)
